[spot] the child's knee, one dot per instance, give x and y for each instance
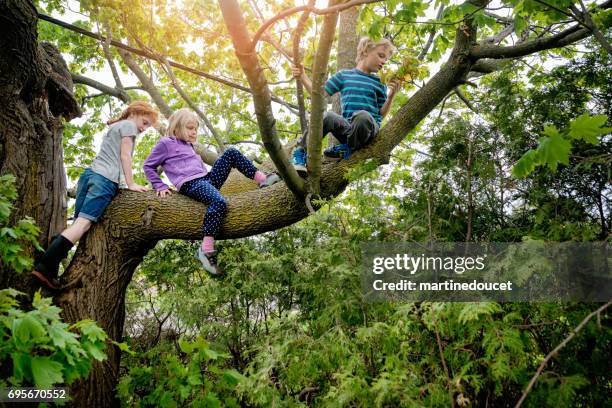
(232, 152)
(362, 118)
(219, 205)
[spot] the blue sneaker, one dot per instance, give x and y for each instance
(338, 151)
(299, 159)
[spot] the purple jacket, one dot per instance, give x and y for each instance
(179, 161)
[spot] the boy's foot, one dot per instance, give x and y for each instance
(49, 282)
(338, 151)
(271, 178)
(209, 262)
(299, 160)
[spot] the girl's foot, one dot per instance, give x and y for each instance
(209, 263)
(271, 178)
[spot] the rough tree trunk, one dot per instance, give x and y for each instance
(347, 46)
(35, 93)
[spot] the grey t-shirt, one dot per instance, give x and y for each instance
(108, 161)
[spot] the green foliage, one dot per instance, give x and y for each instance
(193, 378)
(15, 238)
(43, 350)
(555, 147)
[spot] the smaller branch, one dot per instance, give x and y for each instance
(297, 61)
(147, 84)
(105, 89)
(501, 19)
(465, 99)
(313, 10)
(556, 350)
(499, 37)
(149, 56)
(193, 105)
(432, 34)
(441, 351)
(109, 58)
(319, 74)
(591, 25)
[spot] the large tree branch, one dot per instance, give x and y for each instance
(318, 97)
(236, 25)
(566, 37)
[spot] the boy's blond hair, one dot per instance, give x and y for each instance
(366, 45)
(177, 122)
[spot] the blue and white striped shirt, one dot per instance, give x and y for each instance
(358, 91)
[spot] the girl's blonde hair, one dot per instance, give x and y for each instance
(178, 120)
(366, 45)
(137, 108)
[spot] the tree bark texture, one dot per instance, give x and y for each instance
(348, 39)
(35, 94)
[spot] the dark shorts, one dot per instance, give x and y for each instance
(94, 194)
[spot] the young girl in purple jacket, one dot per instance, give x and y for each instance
(187, 172)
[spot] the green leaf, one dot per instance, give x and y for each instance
(166, 401)
(210, 354)
(46, 372)
(22, 366)
(60, 336)
(554, 149)
(96, 351)
(27, 329)
(233, 377)
(526, 164)
(124, 347)
(589, 128)
(90, 329)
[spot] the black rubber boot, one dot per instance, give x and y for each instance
(47, 267)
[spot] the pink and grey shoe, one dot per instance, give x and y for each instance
(209, 263)
(271, 178)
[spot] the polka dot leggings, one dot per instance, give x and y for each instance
(206, 189)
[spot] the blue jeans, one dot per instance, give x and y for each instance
(94, 194)
(206, 189)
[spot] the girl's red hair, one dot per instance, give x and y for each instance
(137, 108)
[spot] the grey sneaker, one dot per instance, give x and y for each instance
(271, 178)
(209, 263)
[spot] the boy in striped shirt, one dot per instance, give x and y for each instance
(364, 100)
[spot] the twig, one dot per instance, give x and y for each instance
(556, 350)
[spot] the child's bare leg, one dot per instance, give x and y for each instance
(78, 228)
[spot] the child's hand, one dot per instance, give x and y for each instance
(297, 71)
(164, 193)
(394, 86)
(137, 187)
